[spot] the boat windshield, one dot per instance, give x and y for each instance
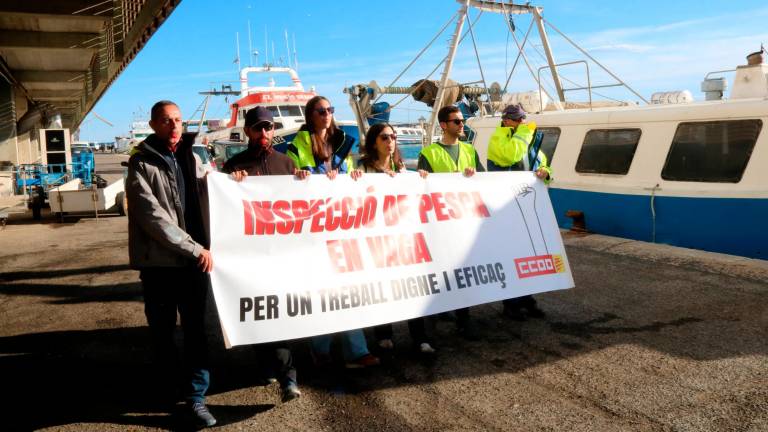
(273, 110)
(290, 111)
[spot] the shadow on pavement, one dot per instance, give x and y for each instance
(100, 376)
(48, 274)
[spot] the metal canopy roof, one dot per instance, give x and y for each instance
(63, 55)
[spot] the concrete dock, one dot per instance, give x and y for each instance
(652, 338)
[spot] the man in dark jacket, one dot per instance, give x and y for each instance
(168, 244)
(257, 160)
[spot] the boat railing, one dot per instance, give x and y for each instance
(715, 88)
(589, 86)
(706, 77)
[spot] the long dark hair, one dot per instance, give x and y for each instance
(371, 155)
(317, 148)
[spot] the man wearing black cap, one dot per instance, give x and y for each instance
(510, 145)
(258, 160)
(512, 148)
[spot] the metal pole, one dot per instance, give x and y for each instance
(266, 47)
(359, 117)
(548, 52)
(237, 42)
(202, 117)
(599, 64)
(287, 47)
(447, 70)
(95, 199)
(250, 47)
(295, 56)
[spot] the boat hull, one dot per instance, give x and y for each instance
(726, 225)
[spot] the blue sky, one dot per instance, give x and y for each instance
(651, 45)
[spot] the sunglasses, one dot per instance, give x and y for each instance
(456, 121)
(388, 137)
(262, 126)
(324, 111)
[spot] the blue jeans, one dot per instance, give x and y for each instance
(353, 344)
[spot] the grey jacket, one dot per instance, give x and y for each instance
(157, 235)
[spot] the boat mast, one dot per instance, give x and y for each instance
(295, 57)
(536, 11)
(250, 47)
(287, 47)
(447, 70)
(237, 43)
(202, 116)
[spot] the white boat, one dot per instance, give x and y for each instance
(408, 135)
(675, 171)
(689, 174)
(409, 140)
(285, 102)
(139, 131)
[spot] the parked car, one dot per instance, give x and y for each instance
(205, 162)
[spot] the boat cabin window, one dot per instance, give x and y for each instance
(549, 142)
(273, 110)
(290, 111)
(716, 151)
(608, 151)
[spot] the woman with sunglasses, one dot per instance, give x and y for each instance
(380, 152)
(320, 147)
(382, 155)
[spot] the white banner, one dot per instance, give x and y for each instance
(297, 258)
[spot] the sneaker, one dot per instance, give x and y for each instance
(201, 415)
(365, 361)
(386, 344)
(265, 381)
(468, 332)
(426, 348)
(290, 392)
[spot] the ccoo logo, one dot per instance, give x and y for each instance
(539, 265)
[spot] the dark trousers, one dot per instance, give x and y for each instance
(524, 302)
(416, 326)
(462, 317)
(166, 292)
(276, 360)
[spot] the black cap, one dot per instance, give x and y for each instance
(514, 112)
(258, 115)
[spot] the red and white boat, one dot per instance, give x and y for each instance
(285, 102)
